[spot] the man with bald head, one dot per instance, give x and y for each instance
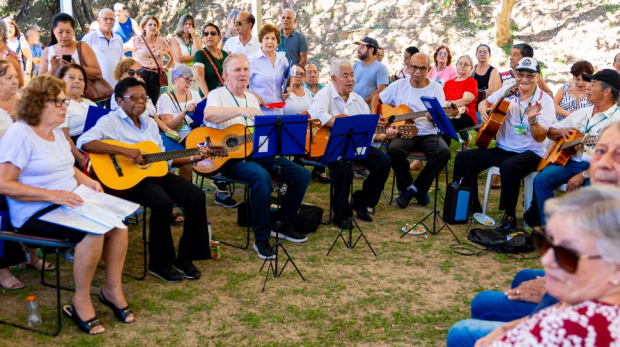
(293, 43)
(108, 46)
(244, 43)
(408, 92)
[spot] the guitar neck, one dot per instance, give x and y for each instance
(406, 116)
(165, 156)
(245, 138)
(576, 142)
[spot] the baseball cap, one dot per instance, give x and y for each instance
(608, 76)
(528, 64)
(368, 41)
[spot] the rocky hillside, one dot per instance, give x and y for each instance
(561, 31)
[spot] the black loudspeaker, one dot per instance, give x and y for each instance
(456, 205)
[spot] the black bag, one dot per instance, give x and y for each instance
(503, 240)
(308, 218)
(456, 205)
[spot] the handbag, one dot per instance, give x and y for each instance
(96, 89)
(163, 78)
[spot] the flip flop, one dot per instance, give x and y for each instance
(12, 283)
(85, 326)
(37, 266)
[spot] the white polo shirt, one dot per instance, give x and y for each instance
(506, 139)
(233, 45)
(108, 52)
(221, 97)
(588, 124)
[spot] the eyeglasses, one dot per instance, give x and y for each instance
(133, 73)
(107, 19)
(59, 102)
(617, 60)
(135, 98)
(239, 23)
(443, 53)
(212, 33)
(566, 258)
(526, 76)
(310, 72)
(421, 68)
(188, 79)
(482, 52)
(464, 64)
(302, 75)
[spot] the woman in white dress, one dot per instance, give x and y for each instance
(185, 43)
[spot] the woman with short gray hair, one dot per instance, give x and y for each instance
(581, 256)
(463, 91)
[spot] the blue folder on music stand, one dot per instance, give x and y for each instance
(199, 115)
(93, 115)
(362, 129)
(440, 117)
(293, 135)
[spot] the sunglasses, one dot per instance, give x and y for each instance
(443, 54)
(239, 23)
(212, 33)
(421, 68)
(566, 258)
(135, 98)
(59, 102)
(133, 73)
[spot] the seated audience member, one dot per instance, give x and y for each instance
(233, 104)
(589, 121)
(312, 79)
(34, 147)
(580, 247)
(17, 43)
(616, 62)
(528, 295)
(408, 92)
(300, 97)
(442, 71)
(404, 72)
(380, 55)
(484, 73)
(74, 76)
(463, 91)
(573, 96)
(520, 143)
(128, 124)
(337, 99)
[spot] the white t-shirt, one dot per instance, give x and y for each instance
(166, 105)
(583, 120)
(5, 121)
(401, 92)
(221, 97)
(76, 116)
(297, 104)
(43, 164)
(506, 139)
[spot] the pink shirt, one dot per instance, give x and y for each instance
(143, 56)
(449, 73)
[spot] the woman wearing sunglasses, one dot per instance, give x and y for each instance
(580, 250)
(209, 60)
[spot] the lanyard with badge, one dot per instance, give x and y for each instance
(587, 129)
(188, 123)
(246, 105)
(282, 47)
(521, 129)
(188, 46)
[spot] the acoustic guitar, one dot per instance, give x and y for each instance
(563, 149)
(497, 116)
(401, 114)
(236, 140)
(118, 172)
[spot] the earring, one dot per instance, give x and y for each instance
(615, 282)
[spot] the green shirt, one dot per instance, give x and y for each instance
(200, 59)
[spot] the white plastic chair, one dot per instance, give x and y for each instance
(528, 190)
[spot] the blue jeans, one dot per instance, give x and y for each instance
(257, 173)
(551, 178)
(491, 309)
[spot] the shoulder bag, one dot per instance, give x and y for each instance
(96, 90)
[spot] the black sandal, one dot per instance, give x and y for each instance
(85, 326)
(120, 313)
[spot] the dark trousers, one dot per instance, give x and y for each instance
(158, 194)
(11, 253)
(513, 167)
(257, 173)
(438, 157)
(153, 88)
(461, 123)
(378, 163)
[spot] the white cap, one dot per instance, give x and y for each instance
(529, 64)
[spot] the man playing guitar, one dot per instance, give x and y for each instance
(234, 104)
(408, 91)
(589, 121)
(520, 142)
(338, 99)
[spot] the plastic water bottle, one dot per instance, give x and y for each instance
(209, 230)
(34, 314)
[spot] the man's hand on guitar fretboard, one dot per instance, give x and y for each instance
(134, 155)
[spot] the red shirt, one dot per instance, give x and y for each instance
(590, 323)
(454, 90)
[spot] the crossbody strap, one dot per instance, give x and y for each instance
(214, 67)
(152, 55)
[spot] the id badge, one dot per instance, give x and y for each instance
(520, 129)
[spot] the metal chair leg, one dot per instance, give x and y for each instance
(392, 194)
(246, 195)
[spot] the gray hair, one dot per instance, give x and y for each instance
(230, 58)
(184, 18)
(103, 10)
(595, 210)
(615, 94)
(291, 11)
(312, 62)
(471, 61)
(181, 70)
(336, 66)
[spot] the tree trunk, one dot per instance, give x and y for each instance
(78, 13)
(502, 23)
(88, 11)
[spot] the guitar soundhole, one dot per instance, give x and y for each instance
(231, 142)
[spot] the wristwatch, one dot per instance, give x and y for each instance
(535, 121)
(191, 161)
(586, 175)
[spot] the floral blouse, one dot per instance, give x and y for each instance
(143, 56)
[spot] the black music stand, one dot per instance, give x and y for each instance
(349, 140)
(275, 136)
(442, 125)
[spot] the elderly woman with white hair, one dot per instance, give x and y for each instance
(463, 91)
(581, 256)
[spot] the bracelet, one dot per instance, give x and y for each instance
(191, 160)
